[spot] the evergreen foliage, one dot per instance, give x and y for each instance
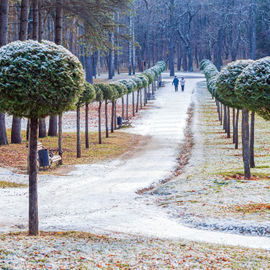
(253, 87)
(225, 82)
(38, 79)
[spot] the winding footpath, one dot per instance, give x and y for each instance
(102, 198)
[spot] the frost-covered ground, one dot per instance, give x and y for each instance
(101, 198)
(202, 197)
(82, 251)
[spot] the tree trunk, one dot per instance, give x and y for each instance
(35, 19)
(236, 129)
(4, 9)
(99, 123)
(58, 40)
(252, 140)
(138, 101)
(228, 123)
(145, 96)
(59, 22)
(233, 125)
(40, 21)
(127, 109)
(78, 132)
(27, 129)
(3, 133)
(16, 122)
(245, 142)
(133, 48)
(53, 126)
(130, 47)
(24, 20)
(141, 97)
(106, 118)
(86, 125)
(99, 63)
(133, 103)
(190, 59)
(123, 108)
(33, 192)
(42, 128)
(60, 138)
(112, 118)
(221, 113)
(225, 119)
(89, 68)
(115, 114)
(172, 37)
(252, 29)
(16, 131)
(218, 109)
(111, 57)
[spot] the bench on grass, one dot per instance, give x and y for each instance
(45, 157)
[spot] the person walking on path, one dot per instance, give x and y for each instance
(176, 83)
(183, 83)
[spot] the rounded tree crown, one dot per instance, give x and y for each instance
(119, 90)
(130, 84)
(106, 89)
(99, 94)
(225, 82)
(38, 79)
(149, 74)
(138, 81)
(144, 80)
(253, 87)
(88, 95)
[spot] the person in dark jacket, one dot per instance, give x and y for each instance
(176, 83)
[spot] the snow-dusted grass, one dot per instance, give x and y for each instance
(101, 198)
(87, 251)
(211, 192)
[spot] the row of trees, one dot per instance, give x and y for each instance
(44, 79)
(41, 79)
(82, 26)
(112, 92)
(241, 85)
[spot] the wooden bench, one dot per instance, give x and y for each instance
(51, 157)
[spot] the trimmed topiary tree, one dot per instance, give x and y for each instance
(107, 92)
(87, 96)
(118, 93)
(99, 99)
(145, 82)
(125, 91)
(37, 80)
(252, 89)
(131, 86)
(139, 86)
(225, 89)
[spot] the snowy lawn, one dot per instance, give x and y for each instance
(101, 198)
(210, 193)
(87, 251)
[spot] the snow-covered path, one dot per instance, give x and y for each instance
(101, 197)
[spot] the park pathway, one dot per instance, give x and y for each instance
(101, 198)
